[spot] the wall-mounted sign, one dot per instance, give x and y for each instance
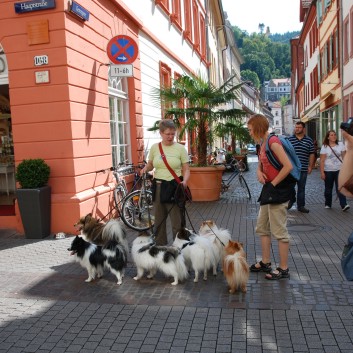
(121, 70)
(41, 60)
(38, 32)
(122, 50)
(79, 11)
(34, 5)
(42, 76)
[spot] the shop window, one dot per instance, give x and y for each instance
(119, 120)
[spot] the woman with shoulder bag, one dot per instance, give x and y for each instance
(277, 190)
(168, 158)
(331, 158)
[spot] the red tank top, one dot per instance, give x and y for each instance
(270, 171)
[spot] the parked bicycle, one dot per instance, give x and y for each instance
(236, 168)
(134, 207)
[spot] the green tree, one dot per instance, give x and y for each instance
(237, 131)
(202, 104)
(248, 75)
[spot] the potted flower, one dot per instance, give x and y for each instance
(34, 197)
(196, 107)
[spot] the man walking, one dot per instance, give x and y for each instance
(305, 150)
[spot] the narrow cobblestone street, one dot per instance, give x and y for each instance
(46, 306)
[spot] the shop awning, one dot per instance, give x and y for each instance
(311, 113)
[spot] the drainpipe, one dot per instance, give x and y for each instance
(340, 29)
(207, 41)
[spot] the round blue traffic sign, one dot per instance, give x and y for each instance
(122, 50)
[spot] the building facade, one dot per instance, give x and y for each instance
(64, 100)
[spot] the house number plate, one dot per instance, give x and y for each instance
(41, 60)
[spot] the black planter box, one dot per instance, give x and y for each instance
(35, 209)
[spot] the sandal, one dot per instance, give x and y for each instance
(263, 267)
(272, 276)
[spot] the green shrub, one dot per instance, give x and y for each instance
(32, 173)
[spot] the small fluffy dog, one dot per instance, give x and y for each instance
(95, 258)
(100, 233)
(219, 237)
(197, 251)
(235, 267)
(151, 257)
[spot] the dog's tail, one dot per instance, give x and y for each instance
(183, 273)
(113, 231)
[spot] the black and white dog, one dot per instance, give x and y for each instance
(95, 258)
(100, 233)
(150, 257)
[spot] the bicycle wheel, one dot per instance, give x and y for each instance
(136, 210)
(244, 186)
(119, 195)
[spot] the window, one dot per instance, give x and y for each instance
(164, 4)
(188, 20)
(346, 40)
(319, 11)
(345, 108)
(175, 17)
(119, 120)
(350, 41)
(203, 37)
(195, 13)
(165, 75)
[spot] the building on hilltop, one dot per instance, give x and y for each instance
(276, 88)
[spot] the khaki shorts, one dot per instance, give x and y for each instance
(272, 220)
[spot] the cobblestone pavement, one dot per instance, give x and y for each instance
(45, 305)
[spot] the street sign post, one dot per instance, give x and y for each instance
(122, 50)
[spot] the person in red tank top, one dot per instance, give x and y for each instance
(276, 192)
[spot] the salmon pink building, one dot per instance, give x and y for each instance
(64, 99)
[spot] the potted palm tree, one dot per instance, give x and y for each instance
(34, 197)
(196, 106)
(238, 132)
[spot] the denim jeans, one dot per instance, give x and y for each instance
(330, 179)
(301, 189)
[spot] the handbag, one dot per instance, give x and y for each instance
(172, 191)
(347, 259)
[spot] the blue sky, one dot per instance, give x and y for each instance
(280, 15)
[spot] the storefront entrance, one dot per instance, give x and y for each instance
(7, 166)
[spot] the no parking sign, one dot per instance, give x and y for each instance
(122, 50)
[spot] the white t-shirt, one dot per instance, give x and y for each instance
(332, 163)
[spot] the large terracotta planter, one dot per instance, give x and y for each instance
(205, 182)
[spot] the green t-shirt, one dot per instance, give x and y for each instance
(176, 156)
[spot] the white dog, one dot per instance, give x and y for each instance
(150, 257)
(219, 237)
(198, 252)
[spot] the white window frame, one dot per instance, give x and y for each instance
(119, 120)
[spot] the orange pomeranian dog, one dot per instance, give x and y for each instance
(235, 267)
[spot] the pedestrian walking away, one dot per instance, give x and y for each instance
(165, 186)
(331, 158)
(277, 191)
(305, 150)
